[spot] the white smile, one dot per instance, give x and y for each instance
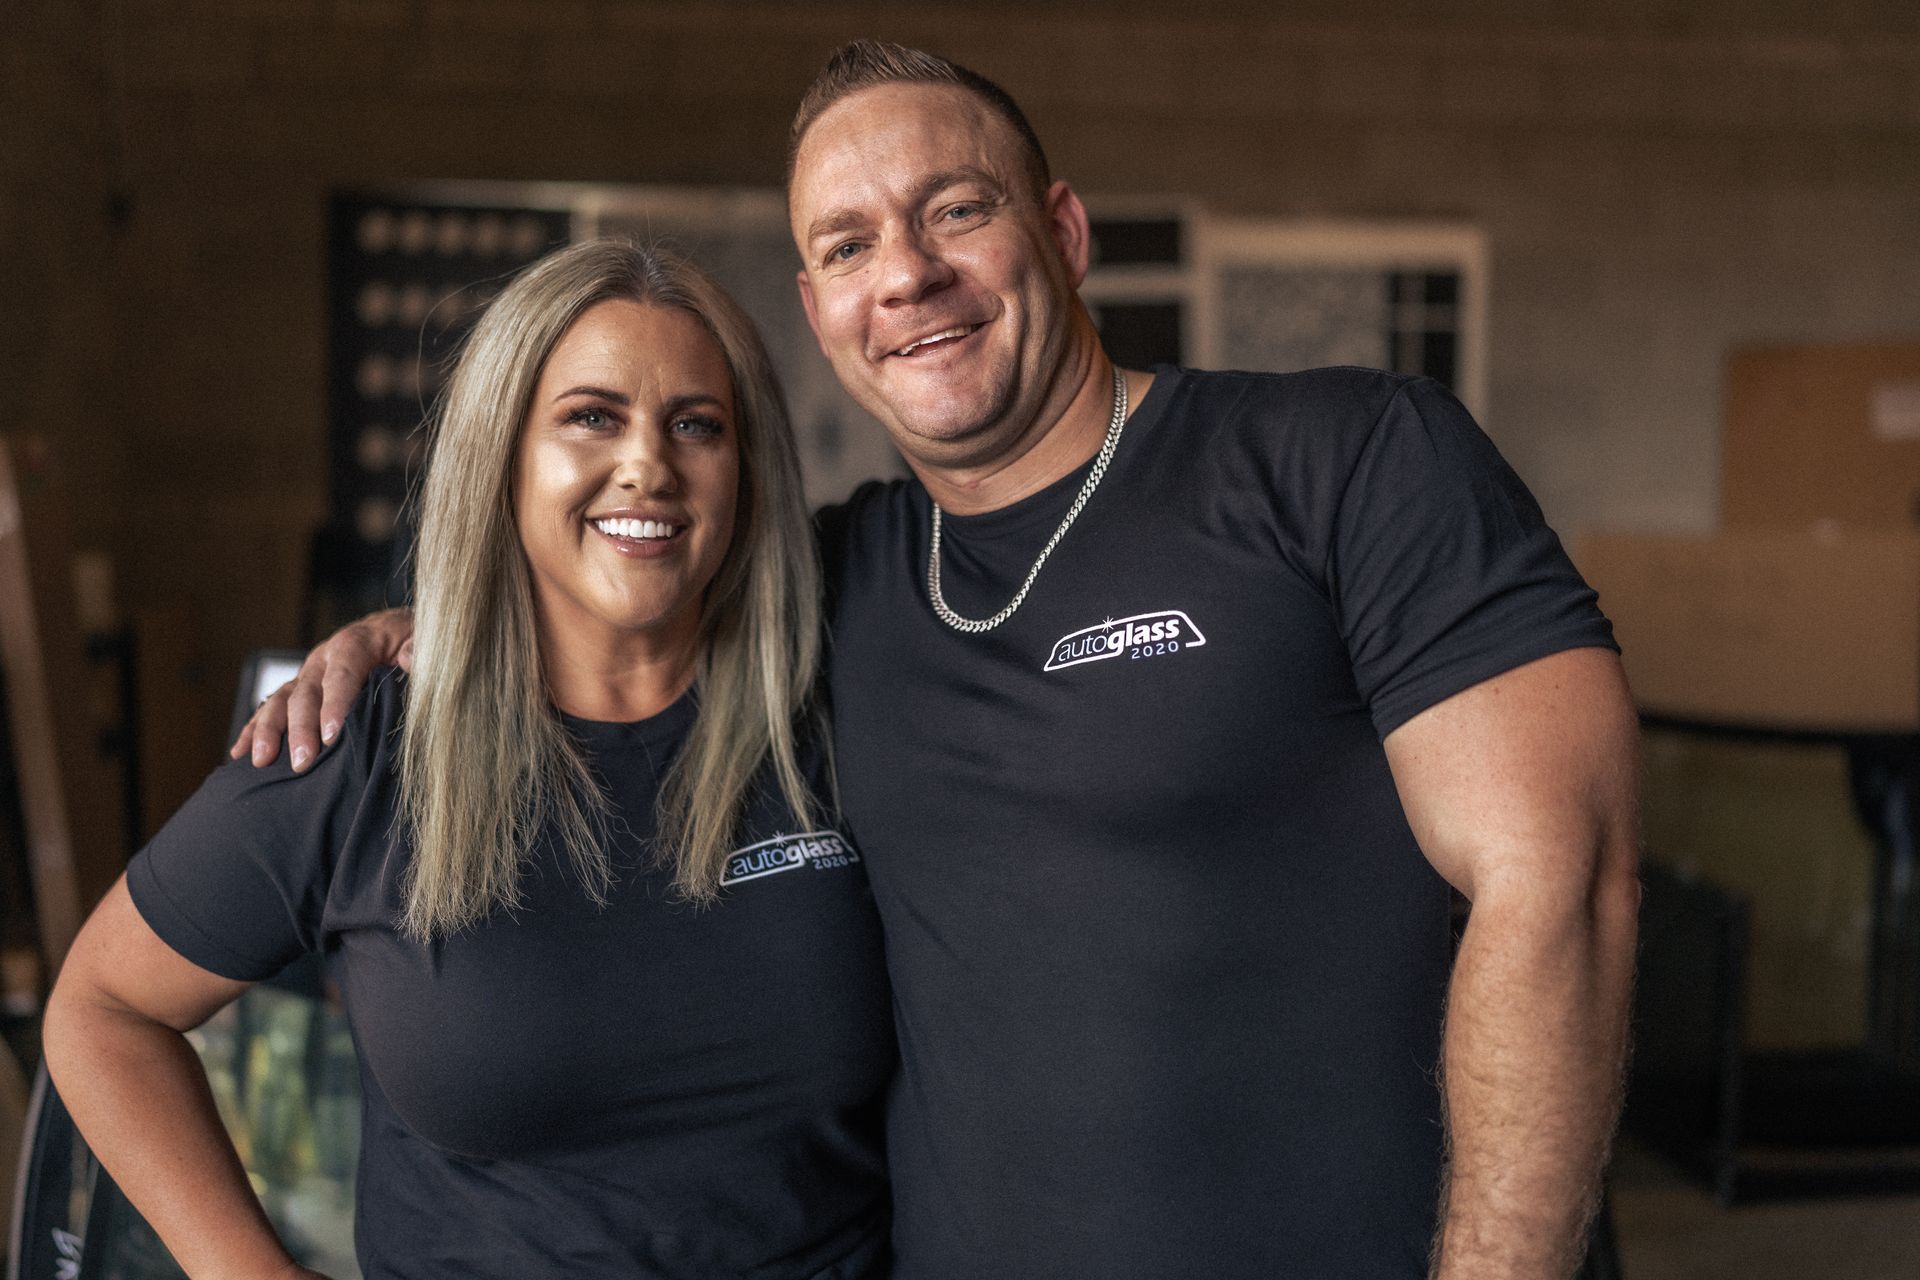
(622, 528)
(958, 331)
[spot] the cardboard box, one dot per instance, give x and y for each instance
(1768, 628)
(1822, 434)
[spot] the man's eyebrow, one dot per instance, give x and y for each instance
(934, 182)
(846, 219)
(601, 393)
(834, 222)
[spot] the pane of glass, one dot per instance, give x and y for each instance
(1441, 290)
(283, 1072)
(121, 1246)
(1140, 334)
(1439, 357)
(1409, 351)
(1284, 318)
(1121, 241)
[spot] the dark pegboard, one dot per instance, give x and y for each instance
(406, 279)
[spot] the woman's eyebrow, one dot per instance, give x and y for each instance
(618, 397)
(676, 403)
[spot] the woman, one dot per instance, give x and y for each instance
(601, 1032)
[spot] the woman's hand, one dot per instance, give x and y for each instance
(310, 708)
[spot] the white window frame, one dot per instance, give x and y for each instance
(1211, 243)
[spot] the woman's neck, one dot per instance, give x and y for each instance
(620, 679)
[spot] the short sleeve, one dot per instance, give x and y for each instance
(1442, 570)
(238, 880)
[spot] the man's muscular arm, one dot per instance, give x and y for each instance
(1523, 792)
(311, 707)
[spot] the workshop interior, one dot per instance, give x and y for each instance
(1666, 251)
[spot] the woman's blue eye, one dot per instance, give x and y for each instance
(697, 425)
(595, 418)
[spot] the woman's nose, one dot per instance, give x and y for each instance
(644, 464)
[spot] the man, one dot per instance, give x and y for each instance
(1150, 695)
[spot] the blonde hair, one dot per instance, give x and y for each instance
(868, 64)
(485, 761)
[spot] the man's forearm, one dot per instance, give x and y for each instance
(1534, 1053)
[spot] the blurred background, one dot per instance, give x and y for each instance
(1667, 250)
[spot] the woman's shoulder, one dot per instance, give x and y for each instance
(385, 697)
(370, 734)
(378, 711)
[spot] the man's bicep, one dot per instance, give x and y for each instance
(1529, 779)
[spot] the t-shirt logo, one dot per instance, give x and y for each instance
(1144, 635)
(821, 850)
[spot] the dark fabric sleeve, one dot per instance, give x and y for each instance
(833, 531)
(237, 881)
(1442, 570)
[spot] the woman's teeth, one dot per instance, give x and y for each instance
(636, 528)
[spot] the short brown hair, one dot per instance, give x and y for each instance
(867, 64)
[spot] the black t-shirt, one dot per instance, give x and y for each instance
(639, 1089)
(1167, 962)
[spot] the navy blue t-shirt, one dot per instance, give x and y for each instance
(1167, 963)
(643, 1088)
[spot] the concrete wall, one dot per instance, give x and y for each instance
(1659, 180)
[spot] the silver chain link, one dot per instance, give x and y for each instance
(974, 626)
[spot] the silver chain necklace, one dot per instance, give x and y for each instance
(976, 625)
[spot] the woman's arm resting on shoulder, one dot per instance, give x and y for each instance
(114, 1046)
(312, 706)
(1523, 792)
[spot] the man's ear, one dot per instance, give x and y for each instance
(806, 305)
(1067, 223)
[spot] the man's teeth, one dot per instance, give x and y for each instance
(622, 528)
(958, 331)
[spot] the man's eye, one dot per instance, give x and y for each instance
(961, 212)
(843, 252)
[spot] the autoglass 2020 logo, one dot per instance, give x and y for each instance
(820, 850)
(1144, 635)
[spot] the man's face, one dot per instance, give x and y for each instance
(941, 290)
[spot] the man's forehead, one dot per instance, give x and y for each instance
(896, 135)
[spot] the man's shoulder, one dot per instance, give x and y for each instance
(866, 514)
(1341, 389)
(1292, 423)
(870, 497)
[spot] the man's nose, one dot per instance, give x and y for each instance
(909, 271)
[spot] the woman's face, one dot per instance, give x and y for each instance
(626, 476)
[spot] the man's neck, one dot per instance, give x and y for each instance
(1056, 447)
